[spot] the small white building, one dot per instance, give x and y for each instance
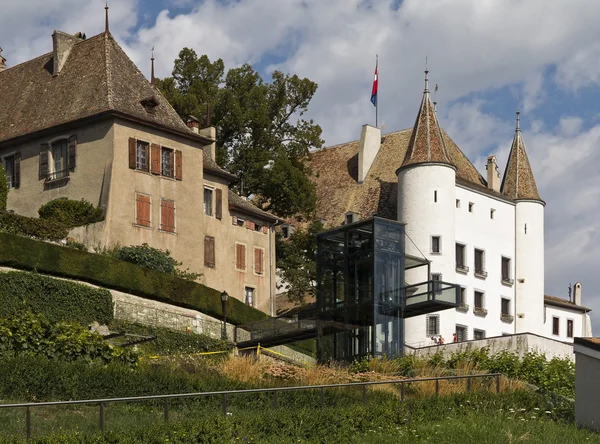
(587, 383)
(483, 233)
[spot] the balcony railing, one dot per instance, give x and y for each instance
(507, 281)
(480, 311)
(57, 175)
(463, 307)
(506, 317)
(462, 268)
(480, 274)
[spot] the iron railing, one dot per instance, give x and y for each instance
(226, 394)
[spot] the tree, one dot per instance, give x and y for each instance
(296, 261)
(261, 135)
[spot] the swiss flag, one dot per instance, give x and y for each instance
(374, 90)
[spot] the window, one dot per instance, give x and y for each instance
(12, 166)
(463, 295)
(259, 257)
(480, 263)
(460, 259)
(240, 222)
(258, 227)
(435, 196)
(506, 274)
(437, 282)
(143, 210)
(57, 158)
(433, 325)
(492, 211)
(167, 157)
(436, 245)
(461, 333)
(478, 334)
(142, 156)
(249, 292)
(209, 251)
(471, 205)
(457, 203)
(58, 153)
(240, 256)
(208, 193)
(478, 299)
(167, 215)
(350, 217)
(555, 326)
(505, 306)
(569, 328)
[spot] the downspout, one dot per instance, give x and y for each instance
(271, 295)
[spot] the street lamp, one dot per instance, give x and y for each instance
(224, 297)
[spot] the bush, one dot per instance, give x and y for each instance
(148, 257)
(71, 213)
(55, 299)
(28, 254)
(32, 227)
(32, 335)
(3, 188)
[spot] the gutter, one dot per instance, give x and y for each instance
(271, 263)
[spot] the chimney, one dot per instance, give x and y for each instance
(62, 44)
(577, 293)
(210, 132)
(193, 124)
(370, 141)
(2, 62)
(493, 176)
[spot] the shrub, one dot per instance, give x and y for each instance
(56, 299)
(71, 213)
(28, 254)
(32, 335)
(3, 188)
(148, 257)
(32, 227)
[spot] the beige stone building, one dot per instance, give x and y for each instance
(83, 122)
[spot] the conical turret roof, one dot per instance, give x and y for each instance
(426, 143)
(518, 182)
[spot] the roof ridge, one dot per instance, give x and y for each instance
(107, 67)
(358, 140)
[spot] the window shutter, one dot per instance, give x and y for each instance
(72, 151)
(209, 251)
(167, 216)
(17, 173)
(258, 261)
(265, 229)
(250, 225)
(219, 205)
(44, 160)
(178, 164)
(237, 256)
(171, 164)
(142, 210)
(155, 158)
(132, 153)
(243, 256)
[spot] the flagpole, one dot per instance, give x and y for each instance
(377, 100)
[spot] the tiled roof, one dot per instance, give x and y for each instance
(338, 191)
(426, 142)
(565, 303)
(518, 182)
(212, 167)
(96, 78)
(243, 205)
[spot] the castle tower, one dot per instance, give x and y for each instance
(519, 185)
(426, 203)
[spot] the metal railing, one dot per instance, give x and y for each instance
(226, 394)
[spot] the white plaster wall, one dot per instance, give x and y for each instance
(529, 280)
(424, 218)
(563, 314)
(496, 237)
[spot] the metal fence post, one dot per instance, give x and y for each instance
(364, 390)
(468, 385)
(437, 387)
(28, 423)
(102, 418)
(275, 399)
(224, 404)
(166, 410)
(497, 383)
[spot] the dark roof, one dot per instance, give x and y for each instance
(213, 168)
(97, 77)
(518, 181)
(593, 343)
(564, 303)
(244, 206)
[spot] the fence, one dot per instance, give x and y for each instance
(226, 394)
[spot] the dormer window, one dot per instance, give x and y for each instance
(149, 104)
(350, 217)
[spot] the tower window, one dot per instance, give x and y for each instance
(492, 211)
(433, 325)
(555, 325)
(471, 205)
(457, 203)
(435, 196)
(436, 245)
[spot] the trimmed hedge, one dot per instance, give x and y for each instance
(55, 299)
(3, 188)
(29, 254)
(69, 212)
(30, 226)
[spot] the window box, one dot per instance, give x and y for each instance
(463, 308)
(508, 281)
(464, 269)
(507, 318)
(480, 274)
(480, 311)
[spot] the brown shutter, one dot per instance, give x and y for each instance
(155, 158)
(250, 225)
(72, 151)
(167, 216)
(17, 173)
(143, 210)
(178, 164)
(209, 251)
(265, 229)
(258, 261)
(243, 256)
(44, 160)
(132, 153)
(237, 256)
(219, 204)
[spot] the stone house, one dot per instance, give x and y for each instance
(83, 122)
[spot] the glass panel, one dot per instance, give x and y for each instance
(59, 158)
(9, 166)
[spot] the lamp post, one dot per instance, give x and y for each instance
(224, 297)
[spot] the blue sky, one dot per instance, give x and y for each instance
(487, 56)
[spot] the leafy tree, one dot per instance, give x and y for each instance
(261, 135)
(296, 261)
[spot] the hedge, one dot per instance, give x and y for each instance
(28, 254)
(32, 227)
(3, 188)
(69, 212)
(55, 299)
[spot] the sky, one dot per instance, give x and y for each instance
(488, 57)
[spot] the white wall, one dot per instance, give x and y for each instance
(563, 314)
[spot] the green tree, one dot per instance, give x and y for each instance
(262, 137)
(296, 261)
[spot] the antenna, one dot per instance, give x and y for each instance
(106, 19)
(152, 69)
(570, 292)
